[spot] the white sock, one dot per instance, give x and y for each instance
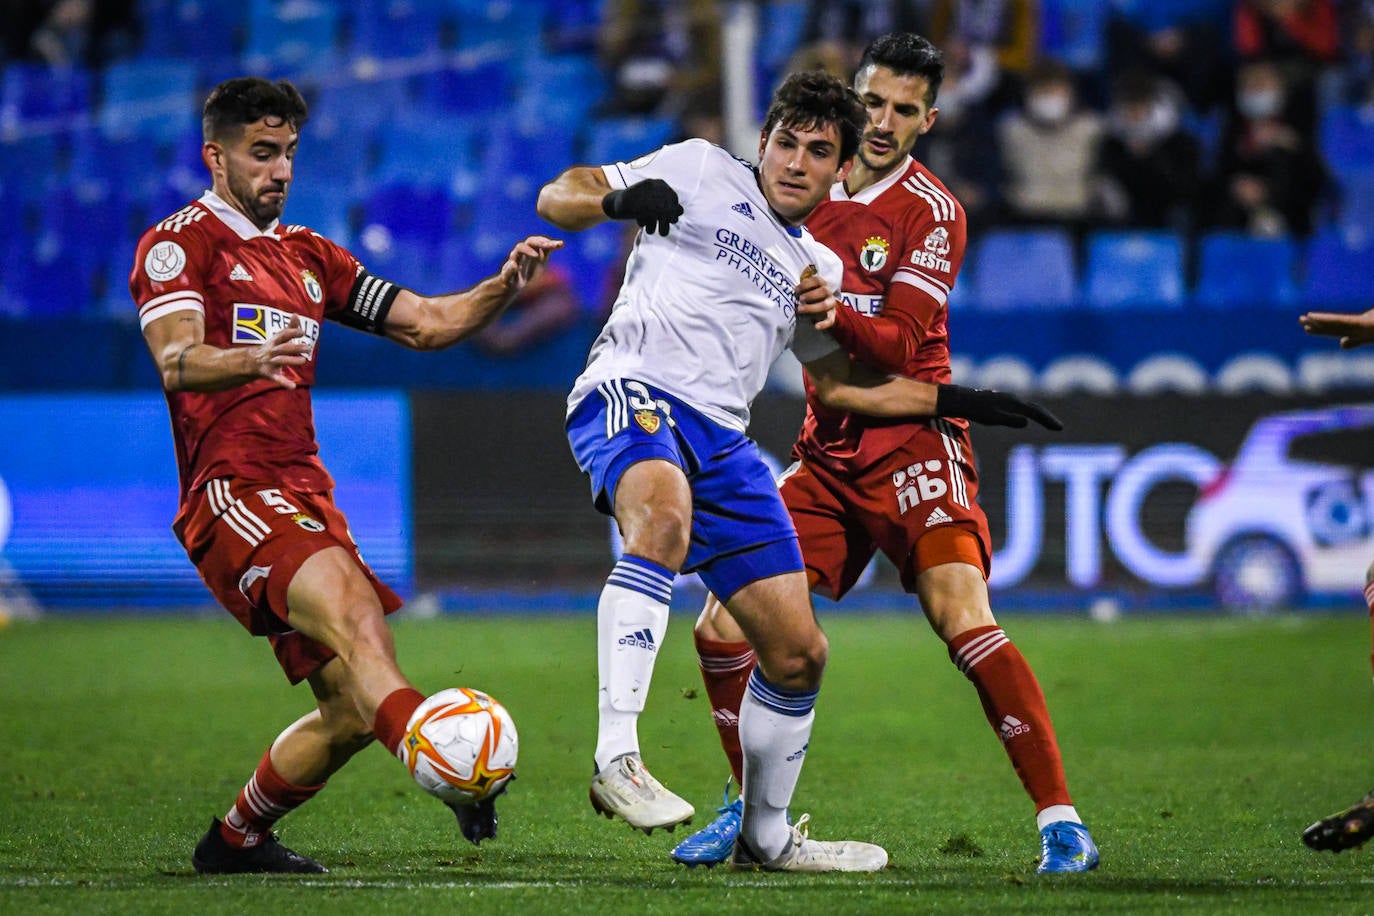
(1053, 813)
(774, 731)
(631, 618)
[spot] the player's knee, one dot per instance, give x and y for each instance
(798, 666)
(660, 533)
(1369, 575)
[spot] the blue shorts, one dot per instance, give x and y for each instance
(741, 531)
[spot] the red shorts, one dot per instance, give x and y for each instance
(918, 505)
(248, 540)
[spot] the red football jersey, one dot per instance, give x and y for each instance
(902, 243)
(249, 284)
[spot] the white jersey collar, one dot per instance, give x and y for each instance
(235, 220)
(871, 193)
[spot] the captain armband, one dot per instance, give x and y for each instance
(369, 301)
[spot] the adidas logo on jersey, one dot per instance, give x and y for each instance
(1011, 727)
(725, 717)
(938, 516)
(239, 273)
(743, 207)
(644, 639)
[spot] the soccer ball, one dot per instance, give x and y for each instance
(460, 746)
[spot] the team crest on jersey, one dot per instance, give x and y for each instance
(648, 421)
(164, 261)
(874, 253)
(312, 286)
(937, 243)
(308, 523)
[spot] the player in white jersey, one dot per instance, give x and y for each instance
(722, 278)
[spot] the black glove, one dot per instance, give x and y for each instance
(652, 203)
(991, 408)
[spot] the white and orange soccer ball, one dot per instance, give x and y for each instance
(460, 745)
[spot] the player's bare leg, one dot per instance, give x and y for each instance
(954, 597)
(775, 729)
(653, 507)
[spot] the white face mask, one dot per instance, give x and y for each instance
(1158, 124)
(1259, 103)
(1049, 107)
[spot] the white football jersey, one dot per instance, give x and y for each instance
(705, 310)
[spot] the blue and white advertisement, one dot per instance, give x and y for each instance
(88, 490)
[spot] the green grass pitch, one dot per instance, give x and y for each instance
(1197, 750)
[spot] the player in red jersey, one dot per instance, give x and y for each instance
(906, 487)
(1351, 828)
(230, 302)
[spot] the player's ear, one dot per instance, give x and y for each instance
(845, 166)
(929, 121)
(763, 142)
(212, 154)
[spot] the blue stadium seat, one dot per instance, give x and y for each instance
(37, 92)
(26, 166)
(152, 98)
(1024, 268)
(206, 32)
(574, 80)
(391, 30)
(410, 212)
(1130, 269)
(496, 28)
(432, 150)
(1355, 213)
(1075, 31)
(514, 156)
(296, 35)
(49, 276)
(474, 87)
(325, 208)
(345, 106)
(1347, 138)
(1340, 270)
(623, 139)
(1238, 270)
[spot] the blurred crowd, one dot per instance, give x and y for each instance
(1192, 116)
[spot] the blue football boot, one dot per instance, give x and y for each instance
(1066, 846)
(711, 845)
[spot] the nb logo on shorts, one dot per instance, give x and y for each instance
(917, 483)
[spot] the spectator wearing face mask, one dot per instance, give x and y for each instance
(1270, 176)
(1150, 165)
(1049, 153)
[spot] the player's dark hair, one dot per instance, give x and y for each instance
(236, 103)
(813, 99)
(907, 54)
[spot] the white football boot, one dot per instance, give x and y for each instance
(629, 791)
(805, 854)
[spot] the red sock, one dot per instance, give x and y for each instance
(266, 799)
(393, 714)
(725, 668)
(1015, 707)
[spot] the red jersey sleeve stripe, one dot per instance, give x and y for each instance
(167, 303)
(937, 291)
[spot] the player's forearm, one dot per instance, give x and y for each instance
(894, 397)
(447, 320)
(841, 384)
(572, 201)
(201, 367)
(887, 344)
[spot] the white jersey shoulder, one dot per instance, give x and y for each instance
(704, 311)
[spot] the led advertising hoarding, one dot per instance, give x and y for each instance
(88, 490)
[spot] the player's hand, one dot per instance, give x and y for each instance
(273, 358)
(1354, 330)
(652, 203)
(991, 408)
(526, 259)
(815, 300)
